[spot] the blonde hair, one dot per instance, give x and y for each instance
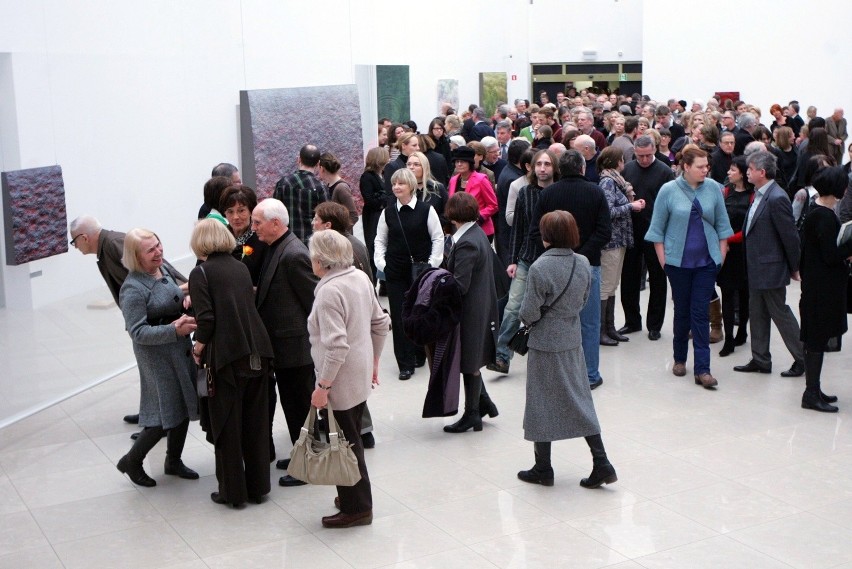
(132, 244)
(211, 236)
(331, 250)
(405, 176)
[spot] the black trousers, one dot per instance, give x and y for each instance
(403, 349)
(295, 386)
(729, 298)
(631, 282)
(238, 416)
(370, 222)
(358, 498)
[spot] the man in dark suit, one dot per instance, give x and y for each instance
(285, 296)
(481, 128)
(772, 259)
(587, 203)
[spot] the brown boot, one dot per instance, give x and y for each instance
(716, 333)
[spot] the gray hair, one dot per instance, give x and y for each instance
(644, 141)
(224, 169)
(457, 139)
(503, 125)
(84, 224)
(489, 142)
(752, 147)
(764, 160)
(747, 120)
(571, 163)
(479, 113)
(503, 109)
(331, 250)
(272, 209)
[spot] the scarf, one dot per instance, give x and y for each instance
(625, 186)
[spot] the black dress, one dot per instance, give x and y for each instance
(825, 276)
(733, 273)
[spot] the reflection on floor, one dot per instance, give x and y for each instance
(739, 477)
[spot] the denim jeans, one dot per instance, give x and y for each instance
(590, 327)
(511, 322)
(691, 291)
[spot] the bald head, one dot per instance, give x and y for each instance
(85, 231)
(585, 145)
(558, 149)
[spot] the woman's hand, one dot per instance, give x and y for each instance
(638, 205)
(187, 302)
(185, 325)
(319, 398)
(375, 373)
(197, 352)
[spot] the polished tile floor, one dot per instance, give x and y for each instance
(738, 477)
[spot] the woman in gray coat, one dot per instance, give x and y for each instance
(152, 301)
(559, 400)
(470, 261)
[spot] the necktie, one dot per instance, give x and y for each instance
(503, 151)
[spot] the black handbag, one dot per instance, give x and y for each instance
(417, 267)
(519, 342)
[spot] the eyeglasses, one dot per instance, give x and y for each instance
(73, 241)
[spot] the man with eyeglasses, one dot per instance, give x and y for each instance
(647, 175)
(722, 156)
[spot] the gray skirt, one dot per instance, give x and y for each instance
(559, 400)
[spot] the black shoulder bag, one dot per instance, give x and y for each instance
(417, 267)
(519, 341)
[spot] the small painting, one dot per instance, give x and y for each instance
(34, 214)
(492, 90)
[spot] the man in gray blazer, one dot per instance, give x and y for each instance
(285, 296)
(772, 259)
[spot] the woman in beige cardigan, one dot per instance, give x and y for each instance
(347, 329)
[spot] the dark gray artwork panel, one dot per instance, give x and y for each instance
(276, 123)
(34, 214)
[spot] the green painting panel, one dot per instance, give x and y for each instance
(492, 90)
(393, 92)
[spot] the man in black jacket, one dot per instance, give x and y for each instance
(647, 175)
(587, 203)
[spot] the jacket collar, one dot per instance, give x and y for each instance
(331, 275)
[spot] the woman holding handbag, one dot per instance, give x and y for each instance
(408, 236)
(232, 342)
(559, 400)
(347, 330)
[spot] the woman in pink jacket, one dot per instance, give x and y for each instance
(468, 180)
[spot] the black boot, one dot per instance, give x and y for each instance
(486, 406)
(742, 336)
(131, 463)
(812, 397)
(610, 321)
(605, 338)
(602, 471)
(174, 465)
(470, 419)
(728, 348)
(542, 472)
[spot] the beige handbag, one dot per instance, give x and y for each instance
(318, 462)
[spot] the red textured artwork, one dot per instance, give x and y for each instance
(34, 214)
(276, 123)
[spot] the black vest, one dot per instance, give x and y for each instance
(415, 224)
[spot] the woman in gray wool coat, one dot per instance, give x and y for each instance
(151, 302)
(559, 400)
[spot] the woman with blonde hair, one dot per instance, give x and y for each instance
(232, 343)
(152, 302)
(429, 189)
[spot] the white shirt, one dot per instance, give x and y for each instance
(514, 190)
(461, 231)
(758, 196)
(433, 225)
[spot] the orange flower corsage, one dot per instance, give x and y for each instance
(247, 250)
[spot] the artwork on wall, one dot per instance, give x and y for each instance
(393, 92)
(448, 93)
(276, 123)
(34, 214)
(492, 90)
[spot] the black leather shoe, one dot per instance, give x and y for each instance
(220, 500)
(135, 472)
(534, 476)
(653, 335)
(368, 440)
(727, 349)
(132, 419)
(595, 384)
(500, 366)
(628, 329)
(796, 370)
(601, 474)
(469, 420)
(752, 367)
(420, 363)
(817, 404)
(406, 374)
(828, 398)
(134, 436)
(178, 468)
(290, 481)
(282, 464)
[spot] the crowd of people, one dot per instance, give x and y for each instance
(540, 214)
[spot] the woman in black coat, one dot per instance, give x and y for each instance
(470, 261)
(825, 275)
(236, 204)
(732, 278)
(232, 342)
(438, 133)
(372, 188)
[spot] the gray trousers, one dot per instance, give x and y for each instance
(766, 305)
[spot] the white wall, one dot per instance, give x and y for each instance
(789, 50)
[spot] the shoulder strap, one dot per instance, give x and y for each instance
(401, 228)
(547, 307)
